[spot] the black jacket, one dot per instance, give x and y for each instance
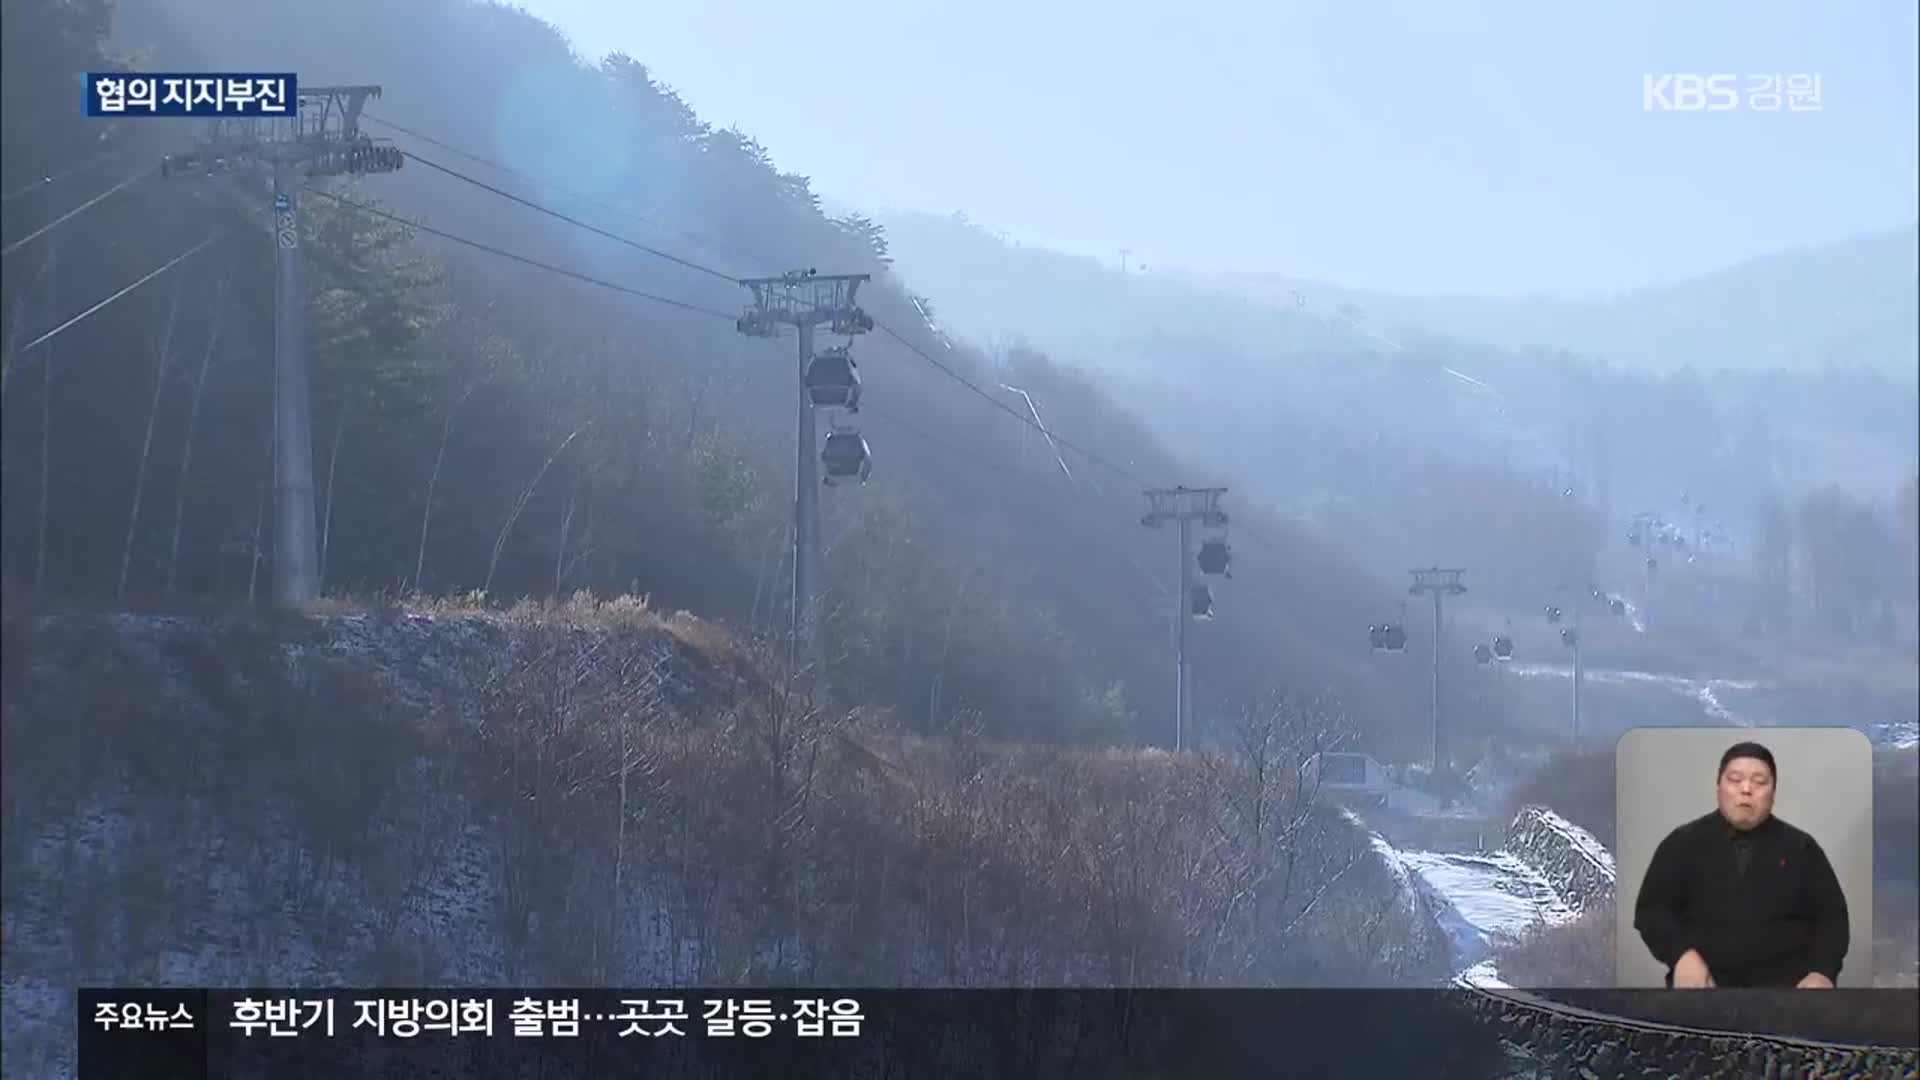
(1769, 926)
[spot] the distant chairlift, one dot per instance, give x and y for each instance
(365, 156)
(833, 380)
(846, 458)
(189, 164)
(852, 322)
(1387, 637)
(755, 324)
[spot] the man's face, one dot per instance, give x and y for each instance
(1746, 792)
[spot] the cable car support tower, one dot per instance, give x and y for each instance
(321, 138)
(1187, 505)
(1439, 584)
(808, 300)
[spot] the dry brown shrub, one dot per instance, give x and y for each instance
(1573, 955)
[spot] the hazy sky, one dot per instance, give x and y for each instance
(1420, 146)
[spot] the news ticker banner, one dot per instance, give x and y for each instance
(192, 94)
(565, 1033)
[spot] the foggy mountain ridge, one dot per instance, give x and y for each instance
(1168, 346)
(1845, 304)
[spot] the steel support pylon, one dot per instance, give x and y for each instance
(295, 544)
(805, 300)
(1439, 584)
(321, 138)
(1184, 505)
(806, 513)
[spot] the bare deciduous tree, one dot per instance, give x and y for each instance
(333, 472)
(146, 442)
(448, 415)
(255, 552)
(15, 328)
(46, 443)
(520, 504)
(564, 561)
(193, 423)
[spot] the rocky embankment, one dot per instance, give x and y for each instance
(1579, 867)
(1569, 1041)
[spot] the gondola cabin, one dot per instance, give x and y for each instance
(845, 458)
(1200, 603)
(833, 380)
(1215, 558)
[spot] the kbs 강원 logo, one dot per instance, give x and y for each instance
(1689, 93)
(1722, 92)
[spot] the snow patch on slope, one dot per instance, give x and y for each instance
(1897, 736)
(1498, 894)
(1475, 899)
(1483, 975)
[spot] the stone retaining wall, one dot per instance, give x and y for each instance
(1568, 1041)
(1577, 865)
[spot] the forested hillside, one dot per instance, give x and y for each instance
(1406, 448)
(485, 424)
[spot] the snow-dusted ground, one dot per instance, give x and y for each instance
(1890, 735)
(239, 893)
(1634, 616)
(1476, 897)
(1705, 691)
(1479, 897)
